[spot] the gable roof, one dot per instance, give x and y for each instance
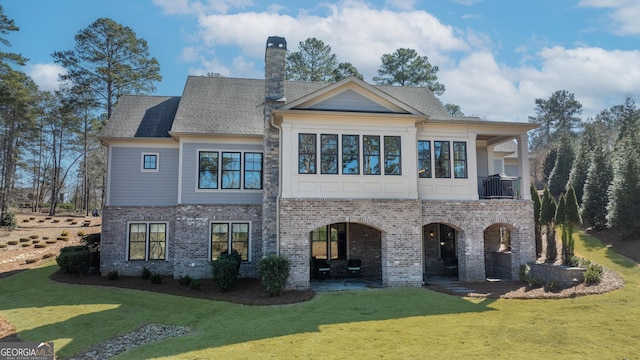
(141, 116)
(235, 106)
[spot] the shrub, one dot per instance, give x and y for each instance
(47, 255)
(65, 260)
(34, 236)
(184, 280)
(3, 245)
(113, 275)
(146, 274)
(30, 261)
(35, 241)
(51, 241)
(195, 284)
(93, 243)
(81, 233)
(225, 273)
(552, 286)
(26, 244)
(274, 271)
(9, 220)
(536, 282)
(22, 240)
(76, 262)
(593, 274)
(39, 246)
(12, 242)
(64, 233)
(233, 255)
(523, 273)
(574, 261)
(155, 279)
(45, 238)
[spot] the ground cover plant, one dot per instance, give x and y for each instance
(394, 323)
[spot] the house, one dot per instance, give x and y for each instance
(313, 171)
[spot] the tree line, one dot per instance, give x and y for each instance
(589, 169)
(48, 144)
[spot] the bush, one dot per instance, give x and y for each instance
(552, 286)
(155, 279)
(225, 273)
(81, 233)
(593, 274)
(74, 259)
(274, 271)
(12, 242)
(523, 273)
(184, 280)
(195, 284)
(233, 255)
(536, 282)
(9, 220)
(3, 245)
(64, 233)
(146, 274)
(113, 275)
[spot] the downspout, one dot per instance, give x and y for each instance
(279, 181)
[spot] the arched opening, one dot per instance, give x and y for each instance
(334, 247)
(440, 250)
(497, 251)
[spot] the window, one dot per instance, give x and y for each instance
(229, 236)
(392, 164)
(226, 170)
(424, 159)
(147, 241)
(252, 170)
(329, 242)
(350, 154)
(441, 159)
(230, 170)
(329, 154)
(371, 155)
(307, 153)
(459, 159)
(149, 162)
(208, 170)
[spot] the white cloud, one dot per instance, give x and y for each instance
(623, 14)
(466, 2)
(45, 75)
(182, 7)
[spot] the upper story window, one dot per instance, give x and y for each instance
(373, 154)
(444, 159)
(229, 170)
(441, 161)
(424, 159)
(150, 162)
(460, 159)
(328, 154)
(307, 153)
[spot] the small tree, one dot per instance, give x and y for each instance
(571, 220)
(274, 271)
(547, 217)
(596, 194)
(562, 168)
(561, 215)
(536, 216)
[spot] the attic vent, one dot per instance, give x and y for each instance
(277, 42)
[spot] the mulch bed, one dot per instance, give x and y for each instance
(245, 291)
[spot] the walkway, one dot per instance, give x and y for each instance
(345, 284)
(451, 284)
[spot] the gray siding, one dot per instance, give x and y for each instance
(349, 101)
(131, 186)
(190, 192)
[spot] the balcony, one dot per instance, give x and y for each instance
(499, 186)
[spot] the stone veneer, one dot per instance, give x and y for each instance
(400, 223)
(188, 238)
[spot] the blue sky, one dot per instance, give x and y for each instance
(495, 56)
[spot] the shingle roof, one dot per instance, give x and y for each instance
(141, 116)
(226, 106)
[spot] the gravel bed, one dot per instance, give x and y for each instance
(145, 335)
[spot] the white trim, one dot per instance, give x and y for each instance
(142, 163)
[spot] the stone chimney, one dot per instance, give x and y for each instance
(275, 68)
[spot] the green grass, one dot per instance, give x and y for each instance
(383, 323)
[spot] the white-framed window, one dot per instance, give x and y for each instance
(437, 161)
(147, 240)
(226, 170)
(227, 236)
(150, 162)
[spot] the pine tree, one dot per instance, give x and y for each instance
(536, 216)
(580, 170)
(547, 218)
(571, 220)
(596, 194)
(624, 193)
(564, 162)
(561, 217)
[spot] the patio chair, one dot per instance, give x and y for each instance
(354, 267)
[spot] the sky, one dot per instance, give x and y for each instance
(495, 57)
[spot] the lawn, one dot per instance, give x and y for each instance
(381, 323)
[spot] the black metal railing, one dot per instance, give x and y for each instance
(499, 186)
